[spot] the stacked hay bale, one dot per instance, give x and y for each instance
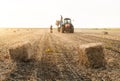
(92, 55)
(57, 23)
(21, 52)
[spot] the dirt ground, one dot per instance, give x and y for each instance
(59, 57)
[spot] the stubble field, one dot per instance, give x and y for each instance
(57, 56)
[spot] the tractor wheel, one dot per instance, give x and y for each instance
(72, 30)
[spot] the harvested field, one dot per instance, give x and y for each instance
(57, 55)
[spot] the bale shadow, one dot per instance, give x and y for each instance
(32, 70)
(22, 71)
(47, 71)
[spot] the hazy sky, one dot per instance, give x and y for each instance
(43, 13)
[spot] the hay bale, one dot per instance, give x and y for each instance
(92, 55)
(105, 32)
(21, 52)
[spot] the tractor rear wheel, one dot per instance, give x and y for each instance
(72, 30)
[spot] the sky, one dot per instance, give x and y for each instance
(43, 13)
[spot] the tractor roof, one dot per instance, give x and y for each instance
(67, 19)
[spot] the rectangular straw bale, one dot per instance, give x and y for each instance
(21, 51)
(92, 55)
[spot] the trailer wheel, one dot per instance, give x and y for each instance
(62, 29)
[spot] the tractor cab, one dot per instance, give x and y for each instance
(67, 21)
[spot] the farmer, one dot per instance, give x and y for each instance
(51, 29)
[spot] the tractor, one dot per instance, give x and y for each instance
(66, 26)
